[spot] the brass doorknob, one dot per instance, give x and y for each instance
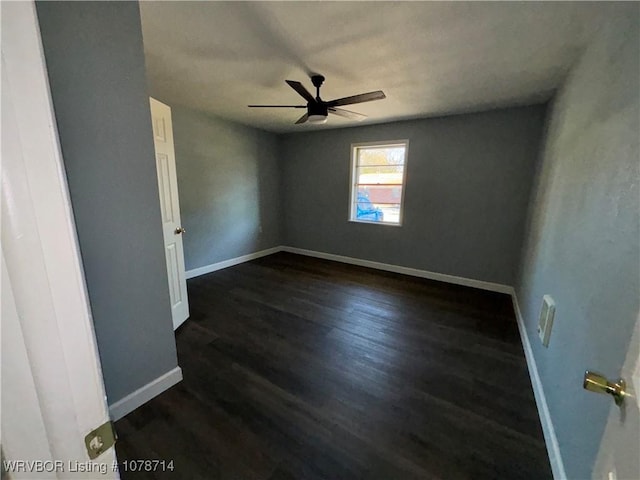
(180, 230)
(594, 382)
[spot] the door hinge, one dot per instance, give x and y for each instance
(100, 440)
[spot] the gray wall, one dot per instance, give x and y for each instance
(229, 187)
(96, 71)
(468, 184)
(582, 240)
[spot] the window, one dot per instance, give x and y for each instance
(377, 182)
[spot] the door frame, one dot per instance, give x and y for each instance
(42, 263)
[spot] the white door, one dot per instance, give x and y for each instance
(619, 455)
(170, 208)
(52, 388)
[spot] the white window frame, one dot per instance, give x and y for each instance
(353, 191)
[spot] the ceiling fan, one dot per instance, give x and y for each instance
(318, 109)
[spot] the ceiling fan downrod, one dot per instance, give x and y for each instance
(317, 81)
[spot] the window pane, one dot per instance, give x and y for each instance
(366, 211)
(378, 194)
(381, 156)
(380, 175)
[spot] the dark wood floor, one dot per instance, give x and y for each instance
(299, 368)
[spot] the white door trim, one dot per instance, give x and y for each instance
(41, 251)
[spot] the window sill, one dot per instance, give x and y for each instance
(375, 223)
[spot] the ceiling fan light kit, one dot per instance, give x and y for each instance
(318, 110)
(317, 119)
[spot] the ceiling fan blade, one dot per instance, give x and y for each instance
(347, 113)
(303, 118)
(363, 97)
(277, 106)
(304, 93)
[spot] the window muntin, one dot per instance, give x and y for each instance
(377, 182)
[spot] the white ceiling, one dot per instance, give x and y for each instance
(430, 58)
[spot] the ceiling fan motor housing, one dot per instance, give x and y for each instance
(317, 109)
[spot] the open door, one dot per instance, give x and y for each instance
(170, 209)
(53, 394)
(619, 453)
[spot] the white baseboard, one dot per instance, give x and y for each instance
(196, 272)
(414, 272)
(152, 389)
(553, 449)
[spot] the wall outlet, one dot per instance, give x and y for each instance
(545, 322)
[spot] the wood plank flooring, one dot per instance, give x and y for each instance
(300, 368)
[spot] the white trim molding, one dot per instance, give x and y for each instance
(53, 394)
(145, 393)
(550, 438)
(414, 272)
(196, 272)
